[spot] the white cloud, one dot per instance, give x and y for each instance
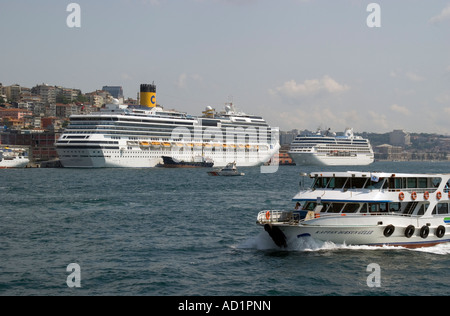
(444, 15)
(443, 98)
(182, 81)
(400, 109)
(414, 76)
(311, 87)
(379, 120)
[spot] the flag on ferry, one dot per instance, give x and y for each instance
(374, 178)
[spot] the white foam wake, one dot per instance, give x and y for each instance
(263, 242)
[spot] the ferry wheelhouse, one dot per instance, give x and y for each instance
(366, 208)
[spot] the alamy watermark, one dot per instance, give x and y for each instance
(74, 18)
(245, 146)
(374, 278)
(74, 278)
(374, 18)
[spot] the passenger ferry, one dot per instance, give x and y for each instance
(366, 208)
(139, 136)
(327, 149)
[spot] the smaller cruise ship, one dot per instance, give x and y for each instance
(366, 208)
(327, 149)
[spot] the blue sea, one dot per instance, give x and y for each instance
(180, 232)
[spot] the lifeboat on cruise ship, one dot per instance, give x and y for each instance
(156, 144)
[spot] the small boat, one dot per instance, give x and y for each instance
(229, 170)
(199, 162)
(366, 208)
(13, 159)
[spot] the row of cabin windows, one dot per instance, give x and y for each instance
(395, 207)
(384, 207)
(381, 183)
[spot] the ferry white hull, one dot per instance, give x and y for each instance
(325, 160)
(371, 235)
(366, 208)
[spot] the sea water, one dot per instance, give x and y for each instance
(182, 232)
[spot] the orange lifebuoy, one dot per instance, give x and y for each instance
(401, 196)
(268, 215)
(426, 195)
(438, 195)
(414, 196)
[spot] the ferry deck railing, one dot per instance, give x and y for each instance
(296, 217)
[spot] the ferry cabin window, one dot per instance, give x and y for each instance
(422, 183)
(394, 207)
(412, 182)
(335, 207)
(320, 183)
(309, 206)
(447, 187)
(376, 207)
(380, 207)
(422, 209)
(357, 183)
(351, 208)
(336, 183)
(381, 184)
(440, 209)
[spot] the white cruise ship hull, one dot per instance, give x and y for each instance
(150, 159)
(325, 160)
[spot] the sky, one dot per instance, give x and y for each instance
(301, 64)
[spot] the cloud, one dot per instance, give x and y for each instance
(379, 120)
(312, 87)
(414, 77)
(444, 15)
(182, 81)
(400, 109)
(443, 98)
(410, 75)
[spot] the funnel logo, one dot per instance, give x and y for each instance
(153, 100)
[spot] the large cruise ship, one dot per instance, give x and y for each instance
(327, 149)
(139, 136)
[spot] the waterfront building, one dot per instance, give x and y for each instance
(115, 91)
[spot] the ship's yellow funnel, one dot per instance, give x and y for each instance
(148, 95)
